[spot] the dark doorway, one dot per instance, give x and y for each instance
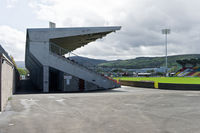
(53, 80)
(81, 85)
(27, 87)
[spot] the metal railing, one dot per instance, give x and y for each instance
(61, 52)
(54, 48)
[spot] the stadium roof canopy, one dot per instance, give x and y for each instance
(69, 38)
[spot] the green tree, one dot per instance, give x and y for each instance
(173, 69)
(193, 62)
(13, 61)
(22, 71)
(151, 71)
(198, 61)
(181, 62)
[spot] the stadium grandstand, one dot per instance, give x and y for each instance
(188, 72)
(189, 68)
(50, 69)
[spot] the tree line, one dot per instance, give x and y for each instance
(194, 62)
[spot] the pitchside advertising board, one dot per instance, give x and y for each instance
(67, 79)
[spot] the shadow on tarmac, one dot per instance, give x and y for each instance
(27, 87)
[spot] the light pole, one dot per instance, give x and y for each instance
(166, 32)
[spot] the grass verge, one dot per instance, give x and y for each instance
(177, 80)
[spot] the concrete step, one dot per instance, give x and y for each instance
(80, 71)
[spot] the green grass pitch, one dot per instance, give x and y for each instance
(178, 80)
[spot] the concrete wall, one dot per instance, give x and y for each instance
(7, 82)
(90, 86)
(73, 84)
(138, 84)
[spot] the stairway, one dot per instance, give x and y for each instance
(63, 64)
(81, 72)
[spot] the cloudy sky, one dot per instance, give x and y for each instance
(141, 21)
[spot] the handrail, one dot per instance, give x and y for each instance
(61, 51)
(81, 66)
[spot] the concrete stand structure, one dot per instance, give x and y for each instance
(51, 71)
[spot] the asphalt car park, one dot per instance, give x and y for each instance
(122, 110)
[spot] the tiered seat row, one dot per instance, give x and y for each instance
(188, 72)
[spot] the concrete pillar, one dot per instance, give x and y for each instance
(45, 78)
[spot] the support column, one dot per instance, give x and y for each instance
(45, 78)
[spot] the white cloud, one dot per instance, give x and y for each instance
(141, 21)
(13, 41)
(11, 3)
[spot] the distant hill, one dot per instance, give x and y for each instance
(82, 60)
(137, 63)
(148, 62)
(88, 61)
(20, 64)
